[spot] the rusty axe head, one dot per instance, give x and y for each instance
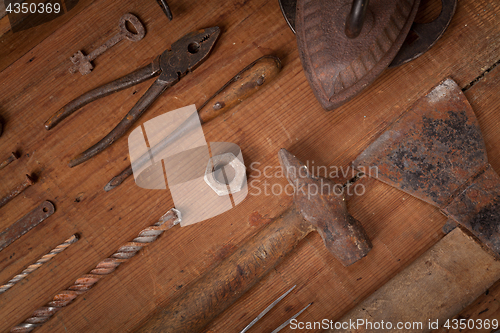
(322, 203)
(436, 153)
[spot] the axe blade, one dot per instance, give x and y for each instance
(435, 152)
(432, 150)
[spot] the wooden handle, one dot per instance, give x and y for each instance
(218, 289)
(251, 79)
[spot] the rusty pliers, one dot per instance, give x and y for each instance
(185, 55)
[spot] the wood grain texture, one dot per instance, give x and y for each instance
(440, 283)
(15, 45)
(485, 307)
(283, 115)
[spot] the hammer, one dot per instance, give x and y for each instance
(317, 206)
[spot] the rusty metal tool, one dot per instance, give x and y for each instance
(166, 9)
(436, 152)
(421, 38)
(372, 35)
(33, 267)
(18, 190)
(185, 55)
(339, 67)
(13, 156)
(103, 268)
(244, 84)
(26, 223)
(323, 210)
(83, 63)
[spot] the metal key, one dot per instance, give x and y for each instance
(83, 63)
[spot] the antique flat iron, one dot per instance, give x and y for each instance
(344, 45)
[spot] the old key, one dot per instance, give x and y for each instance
(83, 63)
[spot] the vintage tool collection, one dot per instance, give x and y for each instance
(248, 81)
(434, 152)
(103, 268)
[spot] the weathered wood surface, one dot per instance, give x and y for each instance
(486, 307)
(15, 45)
(36, 83)
(433, 288)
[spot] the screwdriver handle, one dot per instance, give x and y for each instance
(247, 82)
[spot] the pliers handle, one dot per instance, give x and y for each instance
(140, 75)
(186, 54)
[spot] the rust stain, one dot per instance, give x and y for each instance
(255, 220)
(219, 253)
(224, 251)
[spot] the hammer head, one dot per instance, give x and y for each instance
(322, 203)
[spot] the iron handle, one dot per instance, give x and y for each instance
(356, 18)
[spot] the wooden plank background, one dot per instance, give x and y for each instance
(34, 83)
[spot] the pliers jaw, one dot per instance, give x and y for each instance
(187, 53)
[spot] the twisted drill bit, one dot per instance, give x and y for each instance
(40, 262)
(103, 268)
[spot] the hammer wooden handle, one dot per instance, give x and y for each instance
(213, 293)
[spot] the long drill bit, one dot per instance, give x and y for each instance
(33, 267)
(103, 268)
